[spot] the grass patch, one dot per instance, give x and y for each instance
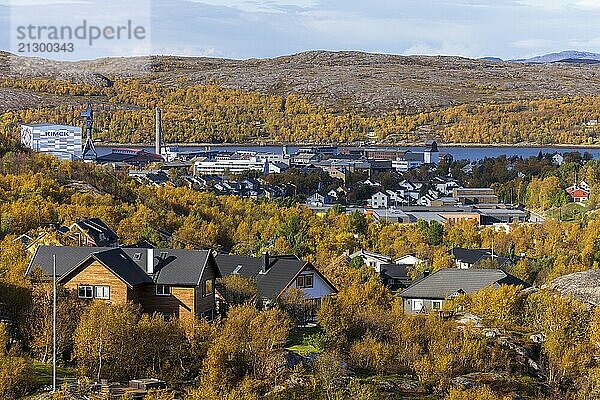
(304, 350)
(298, 334)
(569, 212)
(305, 340)
(43, 374)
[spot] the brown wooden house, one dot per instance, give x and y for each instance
(169, 282)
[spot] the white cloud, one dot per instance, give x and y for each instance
(529, 44)
(591, 5)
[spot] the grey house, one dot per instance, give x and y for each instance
(469, 258)
(431, 291)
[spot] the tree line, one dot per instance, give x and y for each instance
(211, 113)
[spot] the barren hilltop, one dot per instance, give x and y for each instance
(342, 80)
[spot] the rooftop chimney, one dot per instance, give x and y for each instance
(265, 262)
(159, 137)
(426, 273)
(150, 261)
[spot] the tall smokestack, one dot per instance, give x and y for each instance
(159, 137)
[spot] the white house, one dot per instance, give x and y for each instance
(409, 259)
(558, 159)
(381, 200)
(373, 260)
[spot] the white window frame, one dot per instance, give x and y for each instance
(85, 288)
(163, 290)
(439, 302)
(414, 305)
(105, 295)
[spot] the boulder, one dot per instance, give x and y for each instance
(584, 286)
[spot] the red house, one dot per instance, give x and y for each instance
(578, 194)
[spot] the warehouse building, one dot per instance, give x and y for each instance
(62, 141)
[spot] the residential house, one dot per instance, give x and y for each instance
(165, 281)
(277, 167)
(93, 232)
(373, 260)
(153, 178)
(409, 260)
(444, 186)
(340, 173)
(396, 197)
(334, 194)
(430, 292)
(274, 275)
(428, 198)
(319, 200)
(579, 193)
(370, 182)
(558, 159)
(381, 200)
(395, 276)
(469, 258)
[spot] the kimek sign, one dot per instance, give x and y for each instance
(56, 134)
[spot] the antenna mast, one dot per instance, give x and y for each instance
(89, 142)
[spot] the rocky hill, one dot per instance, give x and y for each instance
(584, 286)
(342, 80)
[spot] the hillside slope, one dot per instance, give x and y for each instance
(342, 80)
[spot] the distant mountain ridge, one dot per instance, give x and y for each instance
(569, 55)
(365, 82)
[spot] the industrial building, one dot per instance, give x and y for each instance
(62, 141)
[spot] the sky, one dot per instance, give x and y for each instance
(243, 29)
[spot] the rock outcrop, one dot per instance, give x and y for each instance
(584, 286)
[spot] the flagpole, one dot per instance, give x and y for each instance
(54, 324)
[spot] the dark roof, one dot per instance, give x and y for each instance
(396, 271)
(67, 258)
(473, 256)
(280, 273)
(118, 262)
(176, 267)
(182, 267)
(115, 157)
(101, 233)
(448, 281)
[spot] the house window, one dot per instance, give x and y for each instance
(304, 281)
(137, 256)
(209, 315)
(85, 292)
(163, 290)
(102, 292)
(208, 287)
(417, 305)
(436, 305)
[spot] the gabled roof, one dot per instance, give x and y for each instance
(396, 271)
(363, 253)
(116, 261)
(473, 256)
(100, 233)
(183, 267)
(449, 281)
(280, 274)
(175, 267)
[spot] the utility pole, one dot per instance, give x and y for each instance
(54, 324)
